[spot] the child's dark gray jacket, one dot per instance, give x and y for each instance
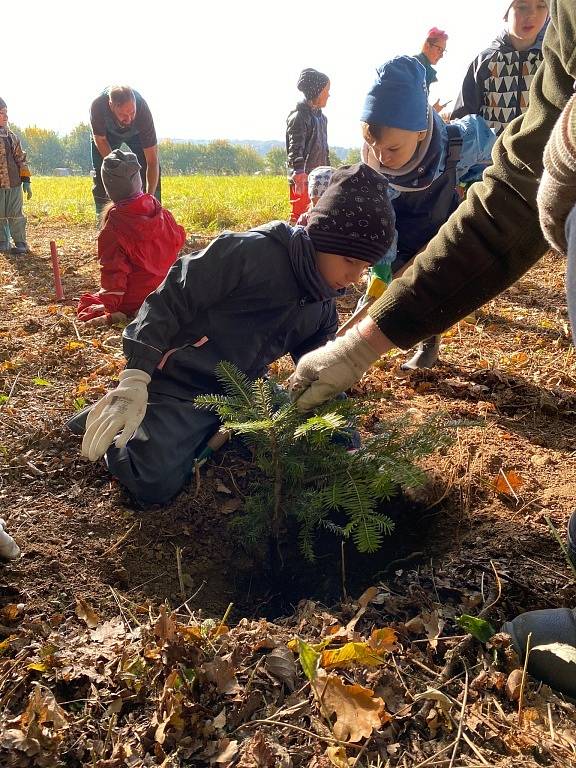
(306, 139)
(243, 299)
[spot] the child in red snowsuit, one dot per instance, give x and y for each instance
(138, 243)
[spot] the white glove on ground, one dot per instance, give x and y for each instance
(557, 191)
(9, 550)
(330, 369)
(120, 410)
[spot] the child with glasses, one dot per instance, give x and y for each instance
(432, 51)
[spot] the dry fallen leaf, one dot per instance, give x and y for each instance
(358, 712)
(165, 627)
(514, 684)
(262, 752)
(85, 612)
(337, 756)
(220, 720)
(281, 664)
(382, 639)
(221, 673)
(508, 482)
(433, 694)
(40, 728)
(342, 657)
(228, 750)
(10, 612)
(433, 625)
(196, 632)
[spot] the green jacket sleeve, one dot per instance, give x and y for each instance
(494, 237)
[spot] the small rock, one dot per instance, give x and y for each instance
(540, 460)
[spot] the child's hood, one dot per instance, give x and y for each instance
(277, 230)
(503, 45)
(138, 219)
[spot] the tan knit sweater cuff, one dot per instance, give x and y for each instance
(560, 152)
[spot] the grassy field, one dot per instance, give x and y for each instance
(202, 204)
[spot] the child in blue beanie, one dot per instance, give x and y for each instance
(423, 159)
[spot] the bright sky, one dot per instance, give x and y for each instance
(222, 69)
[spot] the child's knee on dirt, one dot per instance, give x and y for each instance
(158, 461)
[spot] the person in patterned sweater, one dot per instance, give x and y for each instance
(498, 81)
(14, 176)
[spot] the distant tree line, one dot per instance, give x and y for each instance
(48, 150)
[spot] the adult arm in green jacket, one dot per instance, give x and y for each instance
(491, 240)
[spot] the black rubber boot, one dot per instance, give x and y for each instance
(571, 537)
(426, 355)
(552, 625)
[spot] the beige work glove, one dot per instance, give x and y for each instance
(557, 191)
(330, 369)
(9, 550)
(120, 410)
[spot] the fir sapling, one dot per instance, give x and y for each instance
(305, 468)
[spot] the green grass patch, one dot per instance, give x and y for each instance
(202, 204)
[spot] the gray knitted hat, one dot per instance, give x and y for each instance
(121, 175)
(3, 104)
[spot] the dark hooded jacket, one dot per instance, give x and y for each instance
(241, 300)
(306, 139)
(497, 82)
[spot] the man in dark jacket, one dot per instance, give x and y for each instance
(498, 81)
(490, 241)
(306, 138)
(248, 298)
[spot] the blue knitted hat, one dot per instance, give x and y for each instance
(3, 104)
(398, 98)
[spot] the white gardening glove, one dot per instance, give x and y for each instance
(120, 410)
(330, 369)
(9, 550)
(557, 191)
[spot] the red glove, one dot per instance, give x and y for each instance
(300, 181)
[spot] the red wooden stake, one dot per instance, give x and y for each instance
(56, 270)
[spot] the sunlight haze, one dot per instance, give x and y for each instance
(222, 69)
